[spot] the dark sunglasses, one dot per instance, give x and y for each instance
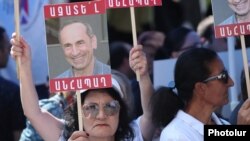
(111, 108)
(223, 76)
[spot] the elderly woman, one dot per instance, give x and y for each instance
(104, 112)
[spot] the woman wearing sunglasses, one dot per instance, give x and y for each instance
(202, 83)
(105, 117)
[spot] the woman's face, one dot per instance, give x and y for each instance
(104, 122)
(216, 93)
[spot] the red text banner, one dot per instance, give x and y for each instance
(132, 3)
(232, 30)
(74, 9)
(80, 83)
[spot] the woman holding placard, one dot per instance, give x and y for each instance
(102, 108)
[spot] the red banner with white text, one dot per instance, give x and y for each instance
(74, 9)
(80, 83)
(232, 30)
(132, 3)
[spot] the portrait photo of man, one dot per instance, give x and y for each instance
(227, 12)
(78, 44)
(241, 9)
(231, 17)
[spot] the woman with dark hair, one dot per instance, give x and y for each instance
(105, 116)
(138, 130)
(114, 118)
(202, 83)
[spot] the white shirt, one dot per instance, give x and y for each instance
(135, 125)
(184, 127)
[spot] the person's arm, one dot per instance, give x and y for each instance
(138, 62)
(47, 125)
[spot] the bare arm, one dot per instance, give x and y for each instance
(138, 62)
(47, 125)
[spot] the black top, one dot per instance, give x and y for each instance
(11, 113)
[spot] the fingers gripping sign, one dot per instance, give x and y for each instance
(244, 113)
(138, 61)
(20, 49)
(79, 136)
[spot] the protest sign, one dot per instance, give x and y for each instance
(233, 20)
(74, 33)
(227, 21)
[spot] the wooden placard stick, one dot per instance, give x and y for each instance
(132, 15)
(79, 110)
(17, 29)
(77, 83)
(245, 63)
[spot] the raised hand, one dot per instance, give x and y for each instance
(244, 113)
(21, 49)
(138, 60)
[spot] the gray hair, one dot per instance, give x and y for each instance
(88, 27)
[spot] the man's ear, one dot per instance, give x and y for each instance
(94, 42)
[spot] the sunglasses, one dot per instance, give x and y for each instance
(223, 76)
(92, 110)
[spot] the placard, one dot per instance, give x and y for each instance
(78, 51)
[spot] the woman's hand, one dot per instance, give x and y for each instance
(138, 60)
(79, 136)
(20, 49)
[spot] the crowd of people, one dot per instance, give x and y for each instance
(130, 110)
